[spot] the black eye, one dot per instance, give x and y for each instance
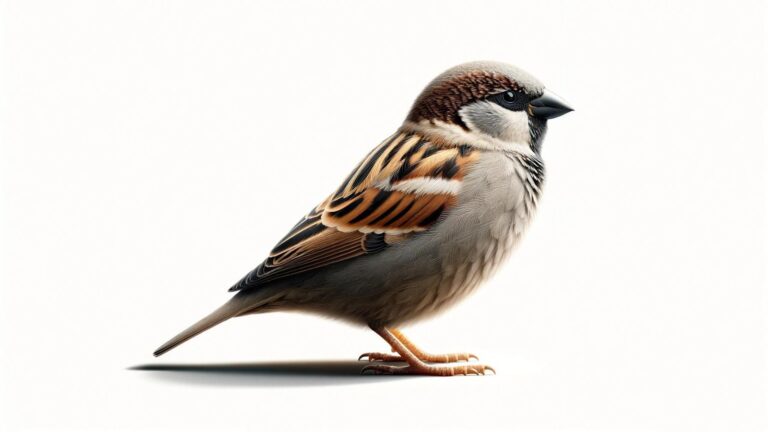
(511, 100)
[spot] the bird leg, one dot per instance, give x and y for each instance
(421, 355)
(416, 365)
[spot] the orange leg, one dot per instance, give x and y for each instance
(416, 365)
(421, 355)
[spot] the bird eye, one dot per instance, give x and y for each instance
(511, 100)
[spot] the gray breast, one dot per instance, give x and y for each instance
(497, 201)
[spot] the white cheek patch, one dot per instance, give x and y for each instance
(500, 123)
(517, 129)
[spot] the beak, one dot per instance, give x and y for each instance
(548, 106)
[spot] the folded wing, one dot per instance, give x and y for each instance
(401, 188)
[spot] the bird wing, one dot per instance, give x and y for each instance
(400, 188)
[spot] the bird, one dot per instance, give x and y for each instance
(419, 223)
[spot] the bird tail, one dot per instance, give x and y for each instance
(228, 310)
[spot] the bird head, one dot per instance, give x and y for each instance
(489, 102)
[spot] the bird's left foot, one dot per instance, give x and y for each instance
(425, 369)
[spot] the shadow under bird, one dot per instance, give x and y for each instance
(424, 218)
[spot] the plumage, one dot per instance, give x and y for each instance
(402, 186)
(420, 222)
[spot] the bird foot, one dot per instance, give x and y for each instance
(425, 369)
(430, 358)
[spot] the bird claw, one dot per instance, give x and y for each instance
(372, 369)
(479, 370)
(380, 357)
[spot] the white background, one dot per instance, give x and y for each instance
(153, 152)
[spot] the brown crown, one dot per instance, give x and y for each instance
(442, 100)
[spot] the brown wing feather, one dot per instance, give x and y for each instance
(370, 210)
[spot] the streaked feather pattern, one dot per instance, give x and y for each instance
(401, 187)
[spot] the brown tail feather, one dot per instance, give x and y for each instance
(228, 310)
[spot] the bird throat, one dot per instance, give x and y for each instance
(537, 129)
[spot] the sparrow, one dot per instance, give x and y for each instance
(419, 223)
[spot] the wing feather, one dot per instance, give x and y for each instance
(401, 187)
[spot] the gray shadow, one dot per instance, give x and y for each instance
(272, 374)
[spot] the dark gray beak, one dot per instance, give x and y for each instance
(548, 106)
